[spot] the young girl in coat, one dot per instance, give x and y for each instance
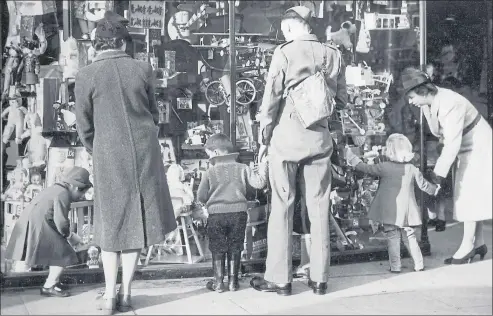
(395, 205)
(42, 233)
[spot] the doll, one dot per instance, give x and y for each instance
(34, 187)
(15, 121)
(69, 58)
(18, 179)
(181, 193)
(30, 66)
(59, 119)
(11, 68)
(36, 147)
(88, 12)
(93, 253)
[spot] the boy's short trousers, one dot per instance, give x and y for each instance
(226, 232)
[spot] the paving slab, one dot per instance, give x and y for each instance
(478, 310)
(12, 304)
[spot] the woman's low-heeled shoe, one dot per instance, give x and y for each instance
(123, 303)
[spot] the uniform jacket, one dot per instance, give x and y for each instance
(395, 202)
(42, 229)
(292, 62)
(117, 121)
(447, 117)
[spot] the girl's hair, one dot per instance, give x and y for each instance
(107, 43)
(398, 148)
(425, 89)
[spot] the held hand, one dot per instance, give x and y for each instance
(436, 178)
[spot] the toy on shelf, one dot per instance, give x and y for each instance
(245, 93)
(13, 53)
(15, 122)
(36, 147)
(180, 23)
(18, 178)
(34, 187)
(181, 193)
(93, 254)
(30, 66)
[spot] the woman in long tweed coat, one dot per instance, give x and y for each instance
(117, 121)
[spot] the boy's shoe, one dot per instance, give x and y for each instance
(419, 270)
(394, 271)
(54, 291)
(440, 226)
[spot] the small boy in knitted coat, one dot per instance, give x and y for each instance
(223, 190)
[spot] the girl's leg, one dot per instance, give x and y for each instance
(478, 236)
(110, 267)
(394, 247)
(129, 260)
(467, 244)
(53, 276)
(411, 243)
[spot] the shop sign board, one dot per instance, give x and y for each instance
(146, 14)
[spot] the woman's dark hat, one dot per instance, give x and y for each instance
(411, 78)
(78, 177)
(112, 26)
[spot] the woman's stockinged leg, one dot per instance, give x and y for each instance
(467, 244)
(478, 235)
(110, 267)
(129, 260)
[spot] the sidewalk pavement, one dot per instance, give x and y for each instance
(361, 288)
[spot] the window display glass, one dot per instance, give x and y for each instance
(201, 90)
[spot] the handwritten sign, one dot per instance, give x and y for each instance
(146, 14)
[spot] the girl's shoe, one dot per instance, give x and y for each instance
(123, 303)
(55, 291)
(481, 251)
(394, 271)
(419, 270)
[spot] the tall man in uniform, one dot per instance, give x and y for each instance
(291, 146)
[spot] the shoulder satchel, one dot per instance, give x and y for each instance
(312, 99)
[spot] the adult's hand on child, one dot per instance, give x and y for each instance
(436, 178)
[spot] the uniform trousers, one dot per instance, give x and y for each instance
(315, 184)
